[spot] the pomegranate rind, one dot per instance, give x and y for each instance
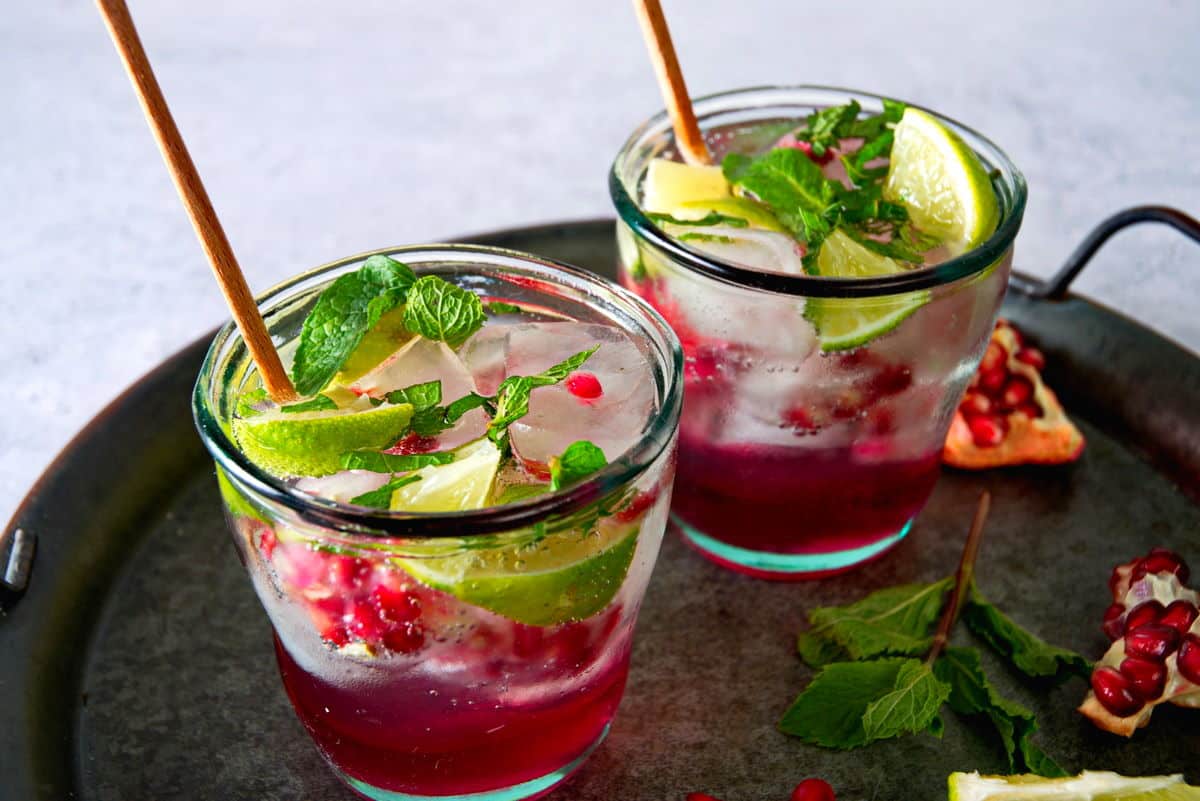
(1046, 440)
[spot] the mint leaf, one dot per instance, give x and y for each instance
(382, 498)
(466, 403)
(712, 218)
(696, 236)
(972, 694)
(318, 404)
(514, 493)
(421, 396)
(441, 311)
(578, 461)
(563, 369)
(895, 621)
(511, 401)
(788, 182)
(898, 694)
(911, 707)
(378, 462)
(249, 402)
(1026, 652)
(500, 307)
(343, 313)
(826, 126)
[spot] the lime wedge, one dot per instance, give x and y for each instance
(670, 184)
(753, 213)
(941, 182)
(844, 323)
(1087, 786)
(465, 483)
(384, 339)
(312, 443)
(565, 576)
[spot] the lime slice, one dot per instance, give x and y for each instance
(748, 210)
(312, 443)
(844, 323)
(1087, 786)
(384, 339)
(564, 576)
(670, 184)
(941, 182)
(465, 483)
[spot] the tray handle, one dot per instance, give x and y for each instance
(1056, 287)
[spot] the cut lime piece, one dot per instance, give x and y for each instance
(465, 483)
(563, 577)
(844, 323)
(670, 184)
(1087, 786)
(754, 213)
(312, 443)
(941, 182)
(385, 338)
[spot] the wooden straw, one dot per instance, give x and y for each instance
(195, 200)
(670, 82)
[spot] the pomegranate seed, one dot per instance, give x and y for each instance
(336, 635)
(797, 417)
(638, 506)
(1030, 410)
(822, 159)
(1188, 660)
(584, 385)
(1143, 614)
(267, 543)
(992, 381)
(1115, 692)
(994, 358)
(976, 403)
(412, 442)
(404, 639)
(1033, 357)
(1149, 678)
(362, 621)
(813, 790)
(1179, 615)
(346, 572)
(395, 606)
(1113, 626)
(1152, 641)
(1017, 391)
(701, 797)
(1160, 560)
(891, 380)
(987, 431)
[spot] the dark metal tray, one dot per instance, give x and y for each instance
(138, 664)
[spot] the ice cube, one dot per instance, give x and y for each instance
(614, 420)
(343, 486)
(422, 360)
(484, 355)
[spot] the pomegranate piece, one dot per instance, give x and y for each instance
(1155, 654)
(813, 790)
(1008, 387)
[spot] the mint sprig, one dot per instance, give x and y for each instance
(511, 401)
(578, 461)
(443, 312)
(379, 462)
(872, 685)
(319, 403)
(342, 315)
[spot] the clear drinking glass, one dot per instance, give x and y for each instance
(453, 700)
(793, 462)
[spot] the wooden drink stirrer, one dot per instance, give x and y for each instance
(195, 200)
(670, 81)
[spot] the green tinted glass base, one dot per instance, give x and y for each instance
(517, 792)
(786, 566)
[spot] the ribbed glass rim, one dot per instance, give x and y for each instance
(1010, 185)
(664, 349)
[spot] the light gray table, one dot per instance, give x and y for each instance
(324, 129)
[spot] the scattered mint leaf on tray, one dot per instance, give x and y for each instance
(1026, 652)
(439, 310)
(343, 313)
(382, 498)
(971, 694)
(833, 710)
(378, 462)
(895, 621)
(319, 403)
(578, 461)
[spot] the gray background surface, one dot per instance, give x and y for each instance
(324, 129)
